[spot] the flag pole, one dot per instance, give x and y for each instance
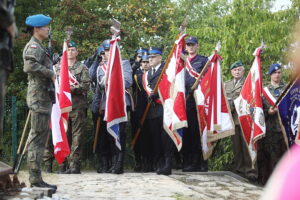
(115, 30)
(137, 133)
(218, 47)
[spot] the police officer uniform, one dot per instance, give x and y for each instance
(242, 160)
(191, 145)
(38, 65)
(162, 143)
(105, 138)
(272, 146)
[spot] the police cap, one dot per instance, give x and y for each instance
(154, 51)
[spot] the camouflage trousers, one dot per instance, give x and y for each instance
(3, 78)
(77, 124)
(49, 151)
(36, 146)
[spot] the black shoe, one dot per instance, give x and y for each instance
(68, 171)
(252, 179)
(43, 184)
(75, 171)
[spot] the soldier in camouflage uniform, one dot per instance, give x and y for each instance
(38, 65)
(7, 32)
(242, 160)
(272, 146)
(78, 115)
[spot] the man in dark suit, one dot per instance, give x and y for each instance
(191, 146)
(162, 143)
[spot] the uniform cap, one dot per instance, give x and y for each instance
(141, 51)
(236, 64)
(274, 67)
(145, 57)
(106, 44)
(38, 20)
(191, 40)
(100, 50)
(72, 44)
(153, 51)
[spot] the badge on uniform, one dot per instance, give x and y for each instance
(33, 46)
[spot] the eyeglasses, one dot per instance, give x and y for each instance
(190, 44)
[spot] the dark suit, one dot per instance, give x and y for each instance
(162, 143)
(191, 148)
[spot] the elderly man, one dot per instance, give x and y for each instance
(242, 160)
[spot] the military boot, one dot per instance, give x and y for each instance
(104, 165)
(195, 164)
(61, 169)
(48, 167)
(113, 163)
(167, 169)
(118, 169)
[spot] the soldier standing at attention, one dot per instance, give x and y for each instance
(272, 146)
(242, 160)
(191, 148)
(40, 94)
(78, 115)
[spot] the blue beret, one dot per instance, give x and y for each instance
(72, 44)
(273, 68)
(236, 64)
(100, 50)
(191, 40)
(153, 51)
(141, 51)
(38, 20)
(106, 44)
(145, 57)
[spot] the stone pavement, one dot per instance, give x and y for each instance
(149, 186)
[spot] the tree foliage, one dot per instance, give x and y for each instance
(241, 26)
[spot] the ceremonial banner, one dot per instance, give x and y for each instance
(60, 111)
(172, 94)
(115, 105)
(214, 116)
(249, 107)
(289, 114)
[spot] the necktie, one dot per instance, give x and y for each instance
(153, 71)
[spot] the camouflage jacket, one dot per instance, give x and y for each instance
(272, 121)
(38, 66)
(79, 93)
(232, 92)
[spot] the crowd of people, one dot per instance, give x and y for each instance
(154, 150)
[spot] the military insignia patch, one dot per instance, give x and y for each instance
(33, 46)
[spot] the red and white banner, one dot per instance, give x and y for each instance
(269, 97)
(172, 93)
(115, 106)
(249, 107)
(60, 111)
(214, 116)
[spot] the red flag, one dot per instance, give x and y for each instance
(215, 120)
(115, 107)
(60, 111)
(249, 107)
(172, 93)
